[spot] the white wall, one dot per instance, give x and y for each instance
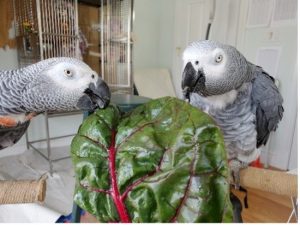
(146, 34)
(166, 34)
(8, 59)
(225, 23)
(293, 158)
(153, 33)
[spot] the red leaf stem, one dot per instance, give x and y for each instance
(121, 208)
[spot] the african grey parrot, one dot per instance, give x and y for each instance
(241, 97)
(56, 84)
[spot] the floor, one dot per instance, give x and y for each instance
(59, 192)
(264, 207)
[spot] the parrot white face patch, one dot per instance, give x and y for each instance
(72, 76)
(212, 62)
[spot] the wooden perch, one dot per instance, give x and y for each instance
(24, 191)
(276, 182)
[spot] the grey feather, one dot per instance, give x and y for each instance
(266, 105)
(236, 121)
(10, 135)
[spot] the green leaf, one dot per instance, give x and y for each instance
(163, 162)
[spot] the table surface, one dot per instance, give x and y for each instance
(128, 99)
(128, 102)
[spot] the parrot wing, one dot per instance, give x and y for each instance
(266, 104)
(12, 85)
(10, 135)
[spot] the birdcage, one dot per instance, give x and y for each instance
(116, 44)
(46, 29)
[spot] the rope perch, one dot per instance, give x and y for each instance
(276, 182)
(23, 191)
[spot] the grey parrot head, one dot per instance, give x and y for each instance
(212, 68)
(67, 83)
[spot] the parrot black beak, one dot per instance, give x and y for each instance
(191, 80)
(95, 96)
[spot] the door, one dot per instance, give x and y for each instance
(191, 19)
(293, 164)
(270, 40)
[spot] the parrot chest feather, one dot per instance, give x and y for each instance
(237, 122)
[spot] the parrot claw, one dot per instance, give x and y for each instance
(236, 179)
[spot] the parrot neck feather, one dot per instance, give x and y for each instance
(221, 101)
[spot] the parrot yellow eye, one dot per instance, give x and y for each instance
(219, 58)
(68, 73)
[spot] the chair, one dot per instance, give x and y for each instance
(154, 83)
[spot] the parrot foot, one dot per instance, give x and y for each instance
(235, 166)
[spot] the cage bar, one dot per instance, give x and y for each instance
(46, 29)
(116, 44)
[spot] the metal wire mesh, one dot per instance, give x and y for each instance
(26, 31)
(46, 29)
(116, 44)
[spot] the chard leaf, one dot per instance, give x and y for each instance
(163, 162)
